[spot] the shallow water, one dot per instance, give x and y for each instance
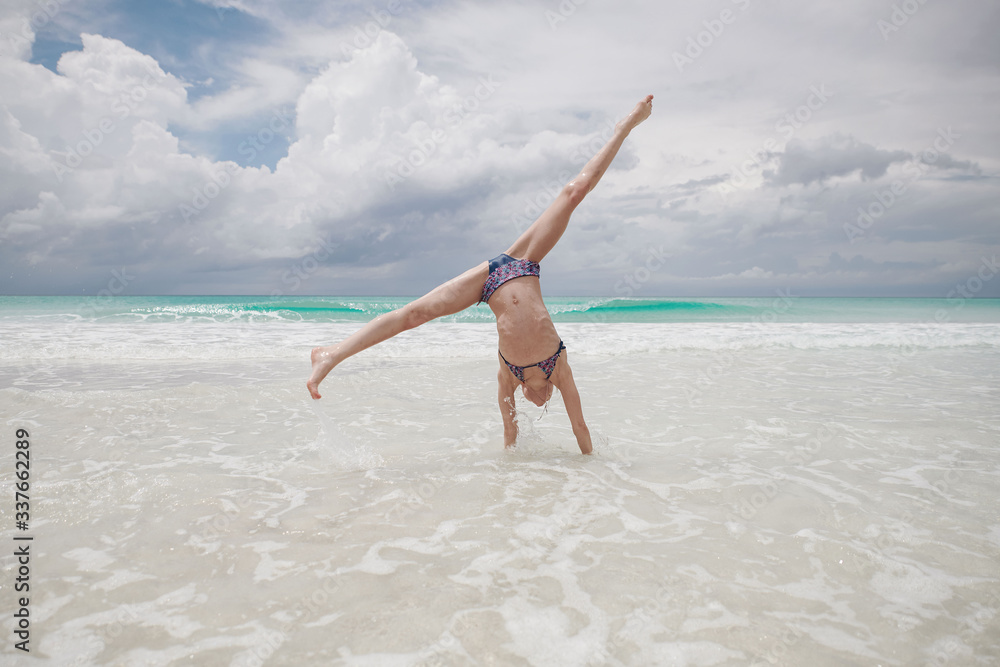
(785, 494)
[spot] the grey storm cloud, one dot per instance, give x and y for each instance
(837, 155)
(389, 156)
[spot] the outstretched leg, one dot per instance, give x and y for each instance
(536, 242)
(453, 296)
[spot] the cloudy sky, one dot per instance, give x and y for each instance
(381, 147)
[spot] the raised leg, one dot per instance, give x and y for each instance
(453, 296)
(536, 241)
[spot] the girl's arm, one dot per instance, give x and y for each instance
(563, 379)
(505, 397)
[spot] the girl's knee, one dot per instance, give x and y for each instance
(575, 191)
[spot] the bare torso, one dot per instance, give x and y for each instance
(526, 332)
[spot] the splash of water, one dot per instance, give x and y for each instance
(343, 453)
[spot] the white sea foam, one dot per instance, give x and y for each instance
(186, 341)
(789, 494)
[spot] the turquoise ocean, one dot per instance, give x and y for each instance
(780, 307)
(776, 481)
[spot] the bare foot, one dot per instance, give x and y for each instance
(322, 363)
(638, 114)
